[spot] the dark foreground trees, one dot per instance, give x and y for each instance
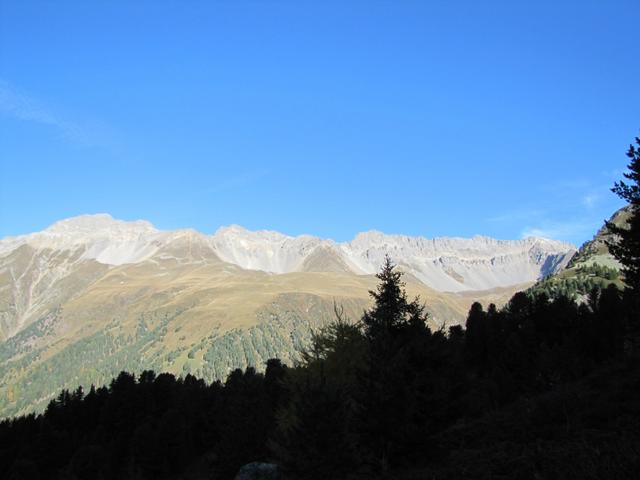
(372, 381)
(377, 397)
(411, 387)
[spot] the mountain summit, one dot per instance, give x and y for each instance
(444, 264)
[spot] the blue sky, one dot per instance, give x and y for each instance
(329, 118)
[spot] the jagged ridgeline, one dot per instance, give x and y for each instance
(91, 296)
(592, 266)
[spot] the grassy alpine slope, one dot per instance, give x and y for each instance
(205, 319)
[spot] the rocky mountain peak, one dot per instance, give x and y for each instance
(443, 263)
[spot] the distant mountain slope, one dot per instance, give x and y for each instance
(595, 251)
(444, 264)
(43, 270)
(90, 296)
(591, 266)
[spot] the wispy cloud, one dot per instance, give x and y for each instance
(566, 209)
(567, 185)
(21, 106)
(516, 215)
(590, 200)
(615, 174)
(567, 231)
(238, 181)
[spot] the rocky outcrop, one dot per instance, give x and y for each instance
(259, 471)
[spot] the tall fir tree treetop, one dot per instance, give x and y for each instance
(626, 248)
(630, 192)
(391, 311)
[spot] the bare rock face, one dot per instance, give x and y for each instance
(444, 264)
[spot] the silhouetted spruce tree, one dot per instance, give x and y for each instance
(393, 380)
(476, 337)
(609, 316)
(274, 391)
(392, 312)
(313, 441)
(337, 351)
(145, 457)
(314, 436)
(172, 442)
(627, 247)
(245, 421)
(87, 463)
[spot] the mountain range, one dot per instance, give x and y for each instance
(91, 295)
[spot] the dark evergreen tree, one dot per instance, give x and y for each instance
(245, 421)
(392, 311)
(144, 452)
(88, 463)
(476, 336)
(627, 247)
(172, 442)
(313, 440)
(390, 387)
(609, 328)
(274, 390)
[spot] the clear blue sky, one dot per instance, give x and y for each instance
(328, 118)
